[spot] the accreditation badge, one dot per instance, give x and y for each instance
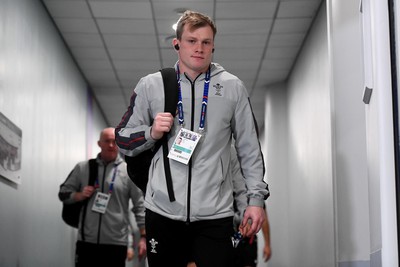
(184, 145)
(101, 202)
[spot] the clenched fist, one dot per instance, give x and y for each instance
(162, 124)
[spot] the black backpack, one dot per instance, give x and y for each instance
(138, 166)
(70, 212)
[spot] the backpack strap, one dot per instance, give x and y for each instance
(93, 169)
(170, 90)
(171, 100)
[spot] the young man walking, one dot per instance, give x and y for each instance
(213, 106)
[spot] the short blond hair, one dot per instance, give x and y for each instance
(195, 20)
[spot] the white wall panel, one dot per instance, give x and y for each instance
(380, 141)
(276, 159)
(43, 94)
(301, 207)
(350, 150)
(311, 221)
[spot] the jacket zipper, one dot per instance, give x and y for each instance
(190, 161)
(100, 215)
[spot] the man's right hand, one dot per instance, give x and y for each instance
(87, 192)
(162, 124)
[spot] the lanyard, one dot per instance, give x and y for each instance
(111, 187)
(204, 103)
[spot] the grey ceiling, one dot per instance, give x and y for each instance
(115, 42)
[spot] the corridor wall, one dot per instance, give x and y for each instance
(275, 150)
(349, 134)
(301, 206)
(336, 185)
(383, 219)
(42, 93)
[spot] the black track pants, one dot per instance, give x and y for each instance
(174, 243)
(88, 255)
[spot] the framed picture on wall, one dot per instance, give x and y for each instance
(10, 150)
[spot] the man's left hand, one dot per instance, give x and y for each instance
(255, 216)
(142, 248)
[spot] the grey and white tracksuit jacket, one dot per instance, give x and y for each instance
(112, 227)
(203, 187)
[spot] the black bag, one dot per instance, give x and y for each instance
(138, 166)
(70, 212)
